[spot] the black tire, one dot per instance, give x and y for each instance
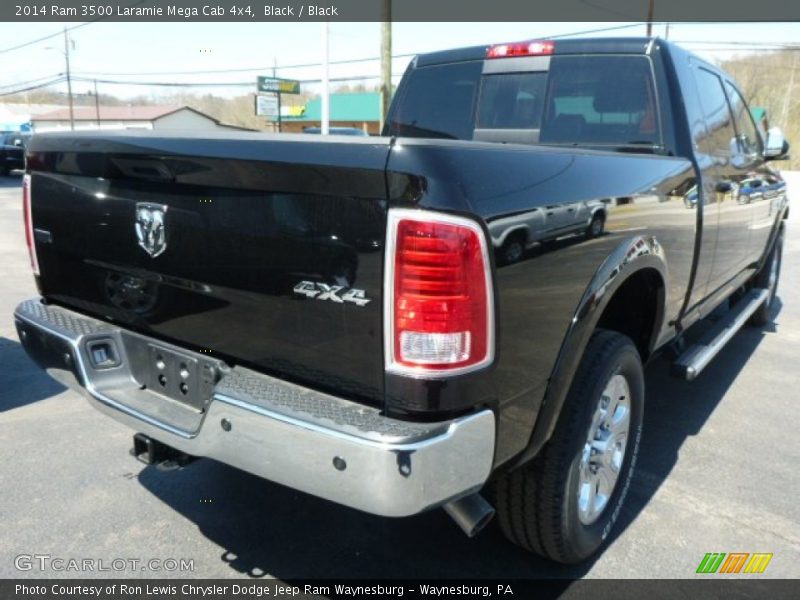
(513, 248)
(537, 504)
(763, 314)
(596, 226)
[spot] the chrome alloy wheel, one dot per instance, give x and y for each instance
(604, 450)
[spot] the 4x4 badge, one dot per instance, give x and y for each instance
(151, 227)
(322, 291)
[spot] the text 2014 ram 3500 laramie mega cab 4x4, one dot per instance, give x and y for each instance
(397, 323)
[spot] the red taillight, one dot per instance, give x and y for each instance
(26, 210)
(438, 296)
(520, 49)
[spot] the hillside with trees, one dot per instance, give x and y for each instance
(772, 80)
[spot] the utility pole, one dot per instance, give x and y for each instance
(96, 104)
(650, 9)
(386, 60)
(69, 82)
(325, 122)
(275, 76)
(787, 97)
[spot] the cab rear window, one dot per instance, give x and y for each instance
(581, 100)
(589, 100)
(511, 100)
(600, 100)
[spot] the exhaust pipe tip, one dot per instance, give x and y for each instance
(471, 513)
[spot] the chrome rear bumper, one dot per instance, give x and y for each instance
(314, 442)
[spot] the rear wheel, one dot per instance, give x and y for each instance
(513, 248)
(768, 278)
(596, 226)
(564, 503)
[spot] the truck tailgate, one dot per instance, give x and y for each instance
(262, 250)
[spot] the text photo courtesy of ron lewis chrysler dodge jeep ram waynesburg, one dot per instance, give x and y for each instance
(454, 314)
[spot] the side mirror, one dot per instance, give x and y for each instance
(777, 146)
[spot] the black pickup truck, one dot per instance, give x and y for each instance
(398, 323)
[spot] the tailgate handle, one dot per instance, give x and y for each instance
(43, 236)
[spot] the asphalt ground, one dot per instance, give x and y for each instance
(717, 472)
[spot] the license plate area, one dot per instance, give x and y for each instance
(179, 376)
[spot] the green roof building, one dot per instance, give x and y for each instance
(360, 110)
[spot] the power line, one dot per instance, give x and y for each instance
(60, 33)
(62, 79)
(587, 31)
(316, 64)
(30, 81)
(168, 83)
(93, 74)
(42, 39)
(219, 83)
(246, 69)
(34, 87)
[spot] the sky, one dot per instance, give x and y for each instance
(157, 51)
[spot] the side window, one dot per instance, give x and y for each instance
(749, 138)
(603, 100)
(438, 102)
(720, 139)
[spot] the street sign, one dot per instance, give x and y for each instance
(278, 85)
(267, 105)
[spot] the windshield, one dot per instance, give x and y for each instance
(595, 100)
(11, 139)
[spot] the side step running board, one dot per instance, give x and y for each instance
(689, 364)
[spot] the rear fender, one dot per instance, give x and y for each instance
(498, 242)
(630, 257)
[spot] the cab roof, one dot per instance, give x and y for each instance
(607, 45)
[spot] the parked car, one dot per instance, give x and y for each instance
(12, 151)
(337, 131)
(329, 315)
(751, 189)
(690, 199)
(512, 235)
